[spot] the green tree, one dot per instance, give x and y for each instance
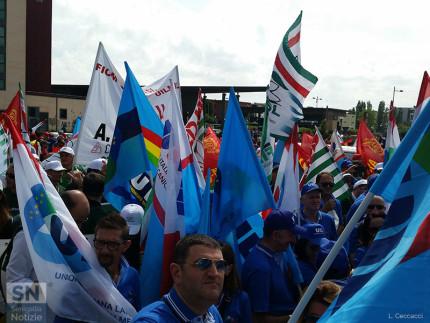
(323, 129)
(381, 116)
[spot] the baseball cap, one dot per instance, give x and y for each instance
(315, 233)
(309, 187)
(346, 164)
(360, 182)
(339, 264)
(97, 164)
(133, 214)
(379, 166)
(371, 180)
(67, 150)
(53, 165)
(282, 220)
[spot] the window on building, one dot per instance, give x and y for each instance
(32, 111)
(63, 113)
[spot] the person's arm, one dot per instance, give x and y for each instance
(258, 317)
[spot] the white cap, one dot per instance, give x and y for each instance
(133, 214)
(360, 182)
(97, 164)
(54, 165)
(67, 150)
(379, 166)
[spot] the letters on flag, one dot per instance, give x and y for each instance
(369, 148)
(390, 282)
(128, 158)
(101, 109)
(241, 187)
(290, 84)
(78, 288)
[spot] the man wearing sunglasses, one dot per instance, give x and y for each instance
(265, 273)
(197, 270)
(110, 242)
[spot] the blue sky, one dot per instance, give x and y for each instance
(358, 50)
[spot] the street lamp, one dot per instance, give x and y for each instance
(394, 92)
(317, 99)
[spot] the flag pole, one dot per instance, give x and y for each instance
(328, 261)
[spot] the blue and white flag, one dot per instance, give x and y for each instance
(77, 287)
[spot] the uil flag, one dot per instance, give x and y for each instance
(290, 84)
(336, 148)
(174, 206)
(101, 109)
(158, 93)
(424, 94)
(380, 289)
(393, 139)
(195, 128)
(369, 148)
(211, 145)
(77, 287)
(322, 161)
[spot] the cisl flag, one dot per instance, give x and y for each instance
(101, 109)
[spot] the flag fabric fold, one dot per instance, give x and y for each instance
(100, 111)
(78, 287)
(336, 148)
(38, 125)
(398, 257)
(423, 96)
(241, 187)
(289, 85)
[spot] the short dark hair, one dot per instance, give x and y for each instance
(113, 221)
(180, 252)
(317, 180)
(93, 185)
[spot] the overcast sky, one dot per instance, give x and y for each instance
(359, 50)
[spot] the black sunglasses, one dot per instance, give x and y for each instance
(111, 245)
(203, 264)
(11, 176)
(325, 184)
(372, 206)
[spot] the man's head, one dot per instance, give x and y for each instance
(311, 196)
(279, 229)
(97, 166)
(66, 156)
(325, 182)
(93, 186)
(10, 178)
(54, 170)
(77, 204)
(198, 271)
(111, 240)
(359, 187)
(349, 180)
(375, 207)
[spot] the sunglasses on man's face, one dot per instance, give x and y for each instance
(325, 184)
(377, 206)
(204, 264)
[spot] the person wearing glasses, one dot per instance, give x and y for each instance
(265, 273)
(198, 270)
(330, 204)
(10, 189)
(110, 242)
(310, 212)
(78, 206)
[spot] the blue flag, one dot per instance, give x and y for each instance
(392, 279)
(77, 125)
(241, 187)
(205, 212)
(128, 156)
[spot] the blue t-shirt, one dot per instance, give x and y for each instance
(173, 309)
(238, 310)
(337, 208)
(324, 219)
(266, 283)
(308, 270)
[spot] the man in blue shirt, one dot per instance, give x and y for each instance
(311, 200)
(265, 274)
(197, 270)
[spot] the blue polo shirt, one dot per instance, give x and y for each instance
(129, 284)
(266, 283)
(324, 219)
(172, 309)
(337, 208)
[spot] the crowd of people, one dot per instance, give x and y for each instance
(207, 283)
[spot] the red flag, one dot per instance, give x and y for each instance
(369, 148)
(211, 145)
(305, 149)
(14, 112)
(424, 94)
